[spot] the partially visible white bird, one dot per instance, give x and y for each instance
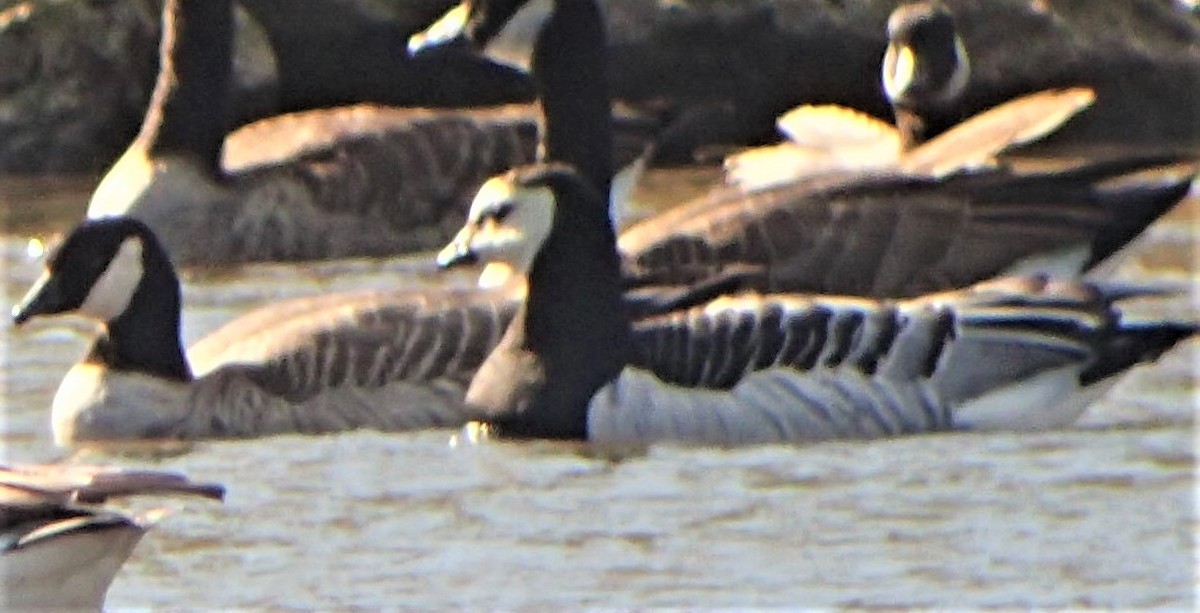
(59, 548)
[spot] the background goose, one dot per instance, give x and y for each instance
(924, 72)
(363, 181)
(879, 235)
(60, 549)
(899, 235)
(563, 368)
(925, 69)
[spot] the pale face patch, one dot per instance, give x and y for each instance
(505, 228)
(514, 43)
(444, 29)
(113, 289)
(899, 70)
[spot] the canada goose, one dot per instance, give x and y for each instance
(924, 73)
(387, 360)
(60, 549)
(363, 181)
(566, 365)
(384, 360)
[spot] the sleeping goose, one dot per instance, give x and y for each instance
(1015, 356)
(61, 549)
(361, 180)
(891, 234)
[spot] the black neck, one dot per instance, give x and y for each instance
(146, 337)
(573, 322)
(570, 67)
(187, 112)
(910, 125)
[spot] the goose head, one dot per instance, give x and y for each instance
(504, 30)
(509, 221)
(115, 272)
(568, 59)
(95, 272)
(926, 62)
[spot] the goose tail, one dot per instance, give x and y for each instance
(1034, 359)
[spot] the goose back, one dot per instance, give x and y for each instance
(898, 235)
(1015, 354)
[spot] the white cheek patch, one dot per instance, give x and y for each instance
(112, 291)
(900, 70)
(493, 191)
(512, 243)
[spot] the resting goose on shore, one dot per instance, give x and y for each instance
(61, 549)
(363, 180)
(1016, 356)
(892, 234)
(924, 73)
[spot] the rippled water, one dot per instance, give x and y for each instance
(1102, 514)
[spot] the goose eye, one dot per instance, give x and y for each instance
(501, 212)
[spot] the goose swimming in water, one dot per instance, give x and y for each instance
(363, 180)
(385, 360)
(395, 360)
(61, 549)
(1015, 355)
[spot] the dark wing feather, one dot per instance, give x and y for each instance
(899, 236)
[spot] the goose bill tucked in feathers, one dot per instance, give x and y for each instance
(61, 551)
(925, 71)
(926, 61)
